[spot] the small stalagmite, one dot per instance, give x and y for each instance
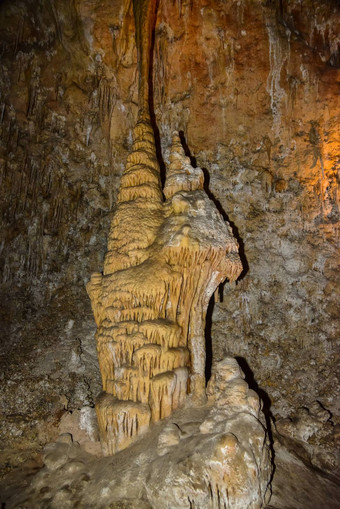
(164, 261)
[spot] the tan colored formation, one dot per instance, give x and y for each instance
(164, 261)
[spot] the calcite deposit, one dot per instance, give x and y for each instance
(164, 261)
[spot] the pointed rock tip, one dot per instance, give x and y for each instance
(176, 145)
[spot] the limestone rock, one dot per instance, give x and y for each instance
(312, 436)
(255, 91)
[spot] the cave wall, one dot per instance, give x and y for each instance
(253, 86)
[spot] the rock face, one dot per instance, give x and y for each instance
(314, 439)
(210, 456)
(163, 263)
(254, 88)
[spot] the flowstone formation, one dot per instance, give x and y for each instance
(164, 261)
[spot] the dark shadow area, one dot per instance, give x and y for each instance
(152, 109)
(249, 377)
(208, 339)
(187, 150)
(221, 211)
(266, 402)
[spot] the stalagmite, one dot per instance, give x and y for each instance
(164, 261)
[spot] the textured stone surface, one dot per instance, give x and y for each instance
(180, 463)
(296, 485)
(255, 91)
(311, 434)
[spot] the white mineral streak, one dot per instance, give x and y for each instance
(277, 59)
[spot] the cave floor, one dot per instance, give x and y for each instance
(294, 486)
(297, 486)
